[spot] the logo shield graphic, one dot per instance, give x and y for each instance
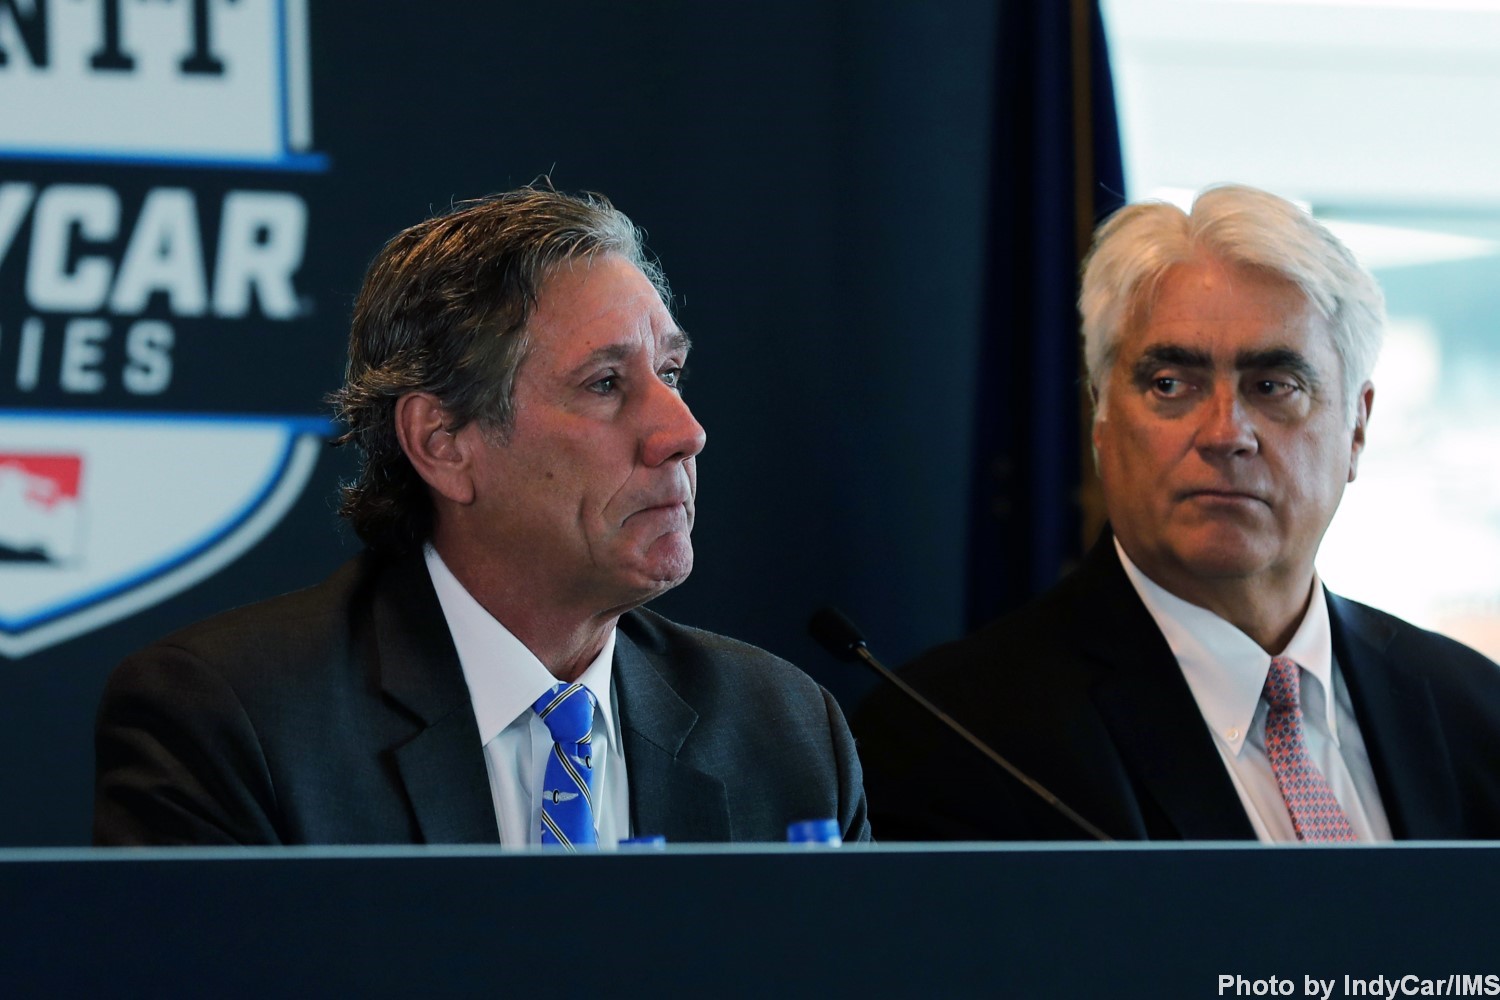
(104, 514)
(136, 289)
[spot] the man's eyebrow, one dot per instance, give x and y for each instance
(1266, 359)
(608, 354)
(1173, 355)
(613, 354)
(1278, 359)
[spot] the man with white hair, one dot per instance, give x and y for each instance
(1193, 678)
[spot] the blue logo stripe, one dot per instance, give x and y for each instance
(296, 424)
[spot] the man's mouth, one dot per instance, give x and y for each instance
(668, 508)
(1225, 496)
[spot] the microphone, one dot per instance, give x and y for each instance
(841, 637)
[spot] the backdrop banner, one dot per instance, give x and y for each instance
(191, 190)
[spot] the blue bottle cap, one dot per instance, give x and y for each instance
(814, 831)
(654, 842)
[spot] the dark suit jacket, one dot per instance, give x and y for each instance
(340, 714)
(1081, 691)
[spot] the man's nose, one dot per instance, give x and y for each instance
(672, 432)
(1227, 426)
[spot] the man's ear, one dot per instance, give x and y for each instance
(1361, 419)
(1096, 416)
(439, 455)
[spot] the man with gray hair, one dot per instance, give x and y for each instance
(1193, 678)
(483, 672)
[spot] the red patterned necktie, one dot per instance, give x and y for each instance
(1317, 816)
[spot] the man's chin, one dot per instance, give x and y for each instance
(667, 563)
(1224, 557)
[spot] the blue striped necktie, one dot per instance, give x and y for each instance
(567, 787)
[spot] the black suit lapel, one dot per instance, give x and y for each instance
(1399, 723)
(442, 765)
(1149, 709)
(668, 796)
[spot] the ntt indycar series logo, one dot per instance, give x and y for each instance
(154, 161)
(214, 81)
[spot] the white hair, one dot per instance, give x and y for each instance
(1135, 248)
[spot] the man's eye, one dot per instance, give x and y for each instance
(673, 376)
(1275, 389)
(1169, 387)
(605, 385)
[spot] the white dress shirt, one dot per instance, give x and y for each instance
(1227, 670)
(505, 679)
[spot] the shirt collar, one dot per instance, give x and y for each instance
(1224, 667)
(504, 677)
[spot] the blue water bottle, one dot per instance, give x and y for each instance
(814, 833)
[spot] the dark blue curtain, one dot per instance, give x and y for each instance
(1025, 512)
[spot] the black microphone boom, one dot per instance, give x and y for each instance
(842, 638)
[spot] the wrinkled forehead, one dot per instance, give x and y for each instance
(1210, 299)
(604, 306)
(593, 277)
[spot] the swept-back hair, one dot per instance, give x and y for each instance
(444, 310)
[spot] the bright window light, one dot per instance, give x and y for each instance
(1378, 116)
